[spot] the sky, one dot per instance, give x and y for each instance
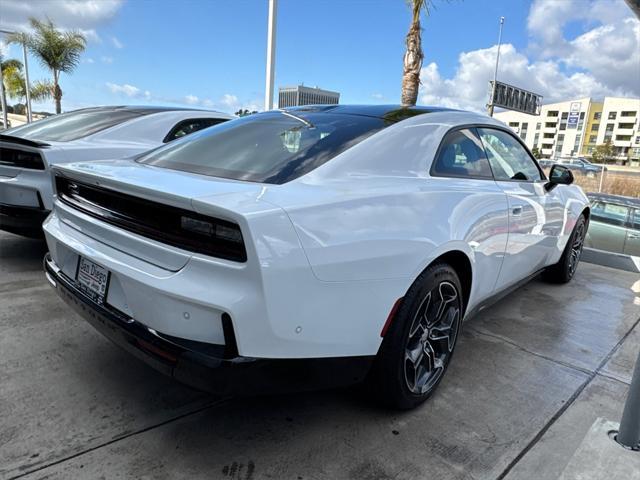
(212, 53)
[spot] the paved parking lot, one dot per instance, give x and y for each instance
(529, 378)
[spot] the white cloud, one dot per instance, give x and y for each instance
(117, 43)
(191, 100)
(230, 101)
(89, 60)
(604, 60)
(377, 96)
(106, 59)
(611, 53)
(90, 34)
(130, 91)
(84, 15)
(4, 49)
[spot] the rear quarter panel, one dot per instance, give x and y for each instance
(394, 228)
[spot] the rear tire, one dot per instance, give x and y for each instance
(419, 344)
(564, 270)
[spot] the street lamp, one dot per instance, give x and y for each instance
(495, 73)
(271, 54)
(27, 85)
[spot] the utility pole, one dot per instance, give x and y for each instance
(495, 73)
(271, 54)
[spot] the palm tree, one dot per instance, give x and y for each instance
(9, 68)
(59, 51)
(14, 83)
(413, 56)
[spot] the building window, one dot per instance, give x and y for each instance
(552, 113)
(549, 135)
(627, 114)
(595, 127)
(623, 138)
(537, 137)
(514, 124)
(550, 125)
(609, 127)
(538, 125)
(593, 138)
(626, 125)
(589, 150)
(637, 139)
(597, 115)
(564, 115)
(612, 115)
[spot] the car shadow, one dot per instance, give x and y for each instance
(20, 254)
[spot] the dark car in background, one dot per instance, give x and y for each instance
(614, 224)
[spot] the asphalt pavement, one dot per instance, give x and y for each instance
(530, 377)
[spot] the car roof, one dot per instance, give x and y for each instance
(141, 109)
(618, 199)
(394, 113)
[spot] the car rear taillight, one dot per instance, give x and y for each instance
(171, 225)
(12, 157)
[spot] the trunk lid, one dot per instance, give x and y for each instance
(195, 213)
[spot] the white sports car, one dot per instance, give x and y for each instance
(27, 152)
(311, 246)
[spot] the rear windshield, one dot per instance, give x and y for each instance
(272, 147)
(73, 125)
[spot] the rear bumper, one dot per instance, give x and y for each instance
(22, 220)
(212, 368)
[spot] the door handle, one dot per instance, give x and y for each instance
(516, 211)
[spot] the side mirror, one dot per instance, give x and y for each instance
(559, 175)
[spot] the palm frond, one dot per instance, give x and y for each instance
(41, 90)
(59, 51)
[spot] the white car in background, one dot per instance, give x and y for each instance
(311, 246)
(27, 152)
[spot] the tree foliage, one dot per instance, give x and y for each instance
(603, 152)
(58, 51)
(244, 113)
(536, 153)
(14, 83)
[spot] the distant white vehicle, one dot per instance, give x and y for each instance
(27, 152)
(312, 245)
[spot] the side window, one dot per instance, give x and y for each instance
(636, 219)
(185, 127)
(508, 158)
(609, 213)
(461, 155)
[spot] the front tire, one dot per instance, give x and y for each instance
(419, 344)
(564, 270)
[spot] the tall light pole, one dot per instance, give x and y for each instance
(271, 54)
(495, 73)
(27, 85)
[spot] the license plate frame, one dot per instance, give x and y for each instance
(92, 280)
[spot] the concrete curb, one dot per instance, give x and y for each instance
(600, 457)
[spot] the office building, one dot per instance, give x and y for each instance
(301, 95)
(575, 127)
